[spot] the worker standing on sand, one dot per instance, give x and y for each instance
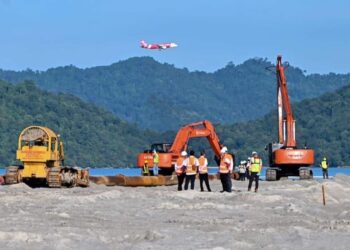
(242, 168)
(324, 166)
(145, 169)
(191, 164)
(155, 162)
(203, 172)
(180, 170)
(255, 169)
(225, 169)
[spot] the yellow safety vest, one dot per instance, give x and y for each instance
(202, 166)
(155, 158)
(224, 167)
(191, 167)
(255, 165)
(324, 164)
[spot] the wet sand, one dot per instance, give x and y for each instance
(283, 215)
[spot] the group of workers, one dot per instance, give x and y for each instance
(187, 167)
(145, 170)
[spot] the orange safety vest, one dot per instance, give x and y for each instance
(203, 168)
(224, 167)
(191, 167)
(179, 162)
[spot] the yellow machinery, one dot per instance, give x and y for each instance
(42, 154)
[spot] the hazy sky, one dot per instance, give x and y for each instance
(39, 34)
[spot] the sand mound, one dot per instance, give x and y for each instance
(283, 215)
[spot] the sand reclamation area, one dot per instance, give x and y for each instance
(283, 215)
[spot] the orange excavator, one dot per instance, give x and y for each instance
(285, 158)
(170, 152)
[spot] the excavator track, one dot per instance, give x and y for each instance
(12, 175)
(54, 178)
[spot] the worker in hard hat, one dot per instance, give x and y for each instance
(255, 169)
(145, 169)
(203, 171)
(242, 168)
(324, 166)
(155, 162)
(180, 168)
(192, 164)
(225, 170)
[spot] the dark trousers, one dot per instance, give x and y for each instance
(180, 181)
(189, 178)
(253, 177)
(226, 182)
(242, 176)
(247, 175)
(204, 177)
(325, 173)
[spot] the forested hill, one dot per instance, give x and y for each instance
(322, 123)
(93, 137)
(96, 138)
(161, 97)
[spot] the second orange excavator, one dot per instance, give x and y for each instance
(170, 152)
(285, 158)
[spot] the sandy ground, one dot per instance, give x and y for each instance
(283, 215)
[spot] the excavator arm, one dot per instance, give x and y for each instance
(194, 130)
(286, 124)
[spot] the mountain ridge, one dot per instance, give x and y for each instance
(161, 97)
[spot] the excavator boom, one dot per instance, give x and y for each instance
(286, 128)
(194, 130)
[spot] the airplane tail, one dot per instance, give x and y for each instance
(143, 44)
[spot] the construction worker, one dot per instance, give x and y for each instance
(324, 166)
(191, 170)
(255, 169)
(203, 172)
(155, 162)
(180, 170)
(225, 169)
(242, 170)
(145, 169)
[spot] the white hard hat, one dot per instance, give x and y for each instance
(243, 162)
(223, 150)
(183, 153)
(254, 153)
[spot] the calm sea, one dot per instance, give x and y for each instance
(136, 171)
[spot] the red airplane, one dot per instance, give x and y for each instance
(159, 46)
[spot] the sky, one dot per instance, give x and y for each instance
(40, 34)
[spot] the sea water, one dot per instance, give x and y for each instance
(212, 170)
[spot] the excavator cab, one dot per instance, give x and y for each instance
(161, 147)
